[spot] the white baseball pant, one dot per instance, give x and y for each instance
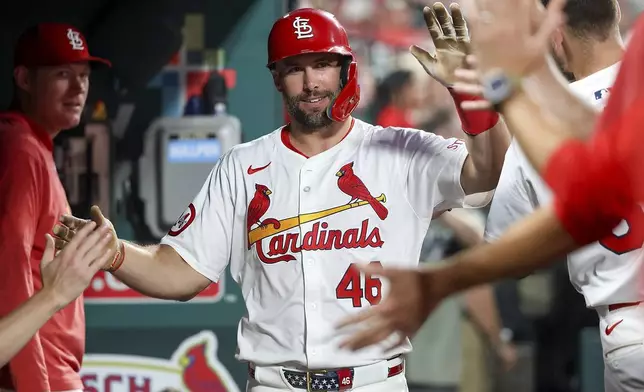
(622, 336)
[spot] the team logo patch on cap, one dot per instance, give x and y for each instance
(184, 221)
(75, 40)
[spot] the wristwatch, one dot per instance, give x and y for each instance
(506, 335)
(498, 87)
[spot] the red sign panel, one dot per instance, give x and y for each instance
(105, 288)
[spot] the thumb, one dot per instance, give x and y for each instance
(48, 254)
(424, 58)
(96, 215)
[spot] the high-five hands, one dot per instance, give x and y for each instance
(511, 37)
(69, 226)
(468, 81)
(67, 274)
(448, 30)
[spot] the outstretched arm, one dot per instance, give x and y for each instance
(531, 244)
(191, 256)
(156, 271)
(414, 293)
(159, 271)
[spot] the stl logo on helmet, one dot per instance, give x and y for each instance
(302, 28)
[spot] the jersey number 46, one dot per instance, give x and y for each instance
(350, 287)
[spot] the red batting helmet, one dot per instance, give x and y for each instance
(309, 30)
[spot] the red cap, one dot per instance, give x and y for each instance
(51, 44)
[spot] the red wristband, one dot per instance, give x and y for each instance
(477, 121)
(119, 257)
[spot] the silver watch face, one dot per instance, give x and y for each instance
(496, 87)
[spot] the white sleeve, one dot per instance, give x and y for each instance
(434, 169)
(203, 233)
(514, 197)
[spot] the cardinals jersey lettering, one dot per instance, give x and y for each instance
(292, 228)
(604, 272)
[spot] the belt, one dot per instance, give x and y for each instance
(327, 380)
(622, 305)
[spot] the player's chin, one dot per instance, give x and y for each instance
(314, 107)
(68, 120)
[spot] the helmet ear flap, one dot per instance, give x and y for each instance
(344, 71)
(349, 96)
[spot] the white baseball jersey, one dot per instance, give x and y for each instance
(291, 227)
(605, 272)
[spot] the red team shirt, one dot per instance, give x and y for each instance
(600, 183)
(31, 201)
(392, 116)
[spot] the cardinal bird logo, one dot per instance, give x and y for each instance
(198, 375)
(352, 185)
(256, 210)
(280, 245)
(258, 206)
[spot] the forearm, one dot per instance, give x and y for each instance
(481, 306)
(27, 366)
(550, 91)
(486, 155)
(156, 271)
(538, 136)
(17, 328)
(465, 232)
(533, 243)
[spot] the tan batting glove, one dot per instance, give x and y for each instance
(70, 224)
(451, 39)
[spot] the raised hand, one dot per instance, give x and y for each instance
(450, 36)
(512, 35)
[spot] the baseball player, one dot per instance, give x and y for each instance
(295, 211)
(52, 66)
(606, 272)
